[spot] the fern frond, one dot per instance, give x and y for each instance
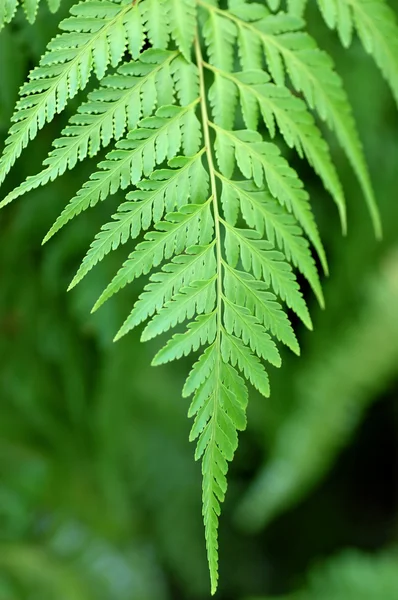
(238, 354)
(296, 7)
(157, 138)
(155, 19)
(278, 107)
(163, 192)
(261, 212)
(197, 263)
(96, 35)
(197, 298)
(243, 289)
(199, 332)
(219, 406)
(8, 9)
(186, 81)
(122, 100)
(220, 37)
(30, 8)
(225, 219)
(377, 29)
(312, 73)
(287, 48)
(250, 49)
(191, 226)
(196, 285)
(182, 16)
(240, 322)
(262, 161)
(266, 264)
(164, 19)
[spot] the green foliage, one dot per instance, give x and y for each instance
(374, 21)
(61, 569)
(355, 575)
(227, 218)
(8, 9)
(351, 575)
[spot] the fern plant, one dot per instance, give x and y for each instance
(195, 97)
(8, 9)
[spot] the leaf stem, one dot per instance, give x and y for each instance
(212, 172)
(212, 544)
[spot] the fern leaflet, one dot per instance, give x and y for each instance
(96, 35)
(8, 8)
(311, 71)
(377, 29)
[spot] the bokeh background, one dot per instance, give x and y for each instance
(99, 492)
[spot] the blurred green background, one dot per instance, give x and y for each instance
(99, 493)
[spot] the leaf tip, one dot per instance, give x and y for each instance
(96, 305)
(46, 237)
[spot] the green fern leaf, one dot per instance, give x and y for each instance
(182, 16)
(250, 49)
(179, 230)
(54, 5)
(118, 105)
(199, 372)
(165, 190)
(197, 298)
(225, 219)
(8, 9)
(157, 138)
(266, 264)
(279, 107)
(274, 4)
(218, 406)
(156, 21)
(96, 35)
(240, 322)
(186, 82)
(296, 7)
(235, 352)
(220, 37)
(311, 71)
(243, 289)
(262, 161)
(197, 263)
(30, 8)
(377, 28)
(262, 213)
(199, 332)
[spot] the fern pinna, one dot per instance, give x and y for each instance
(191, 94)
(8, 9)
